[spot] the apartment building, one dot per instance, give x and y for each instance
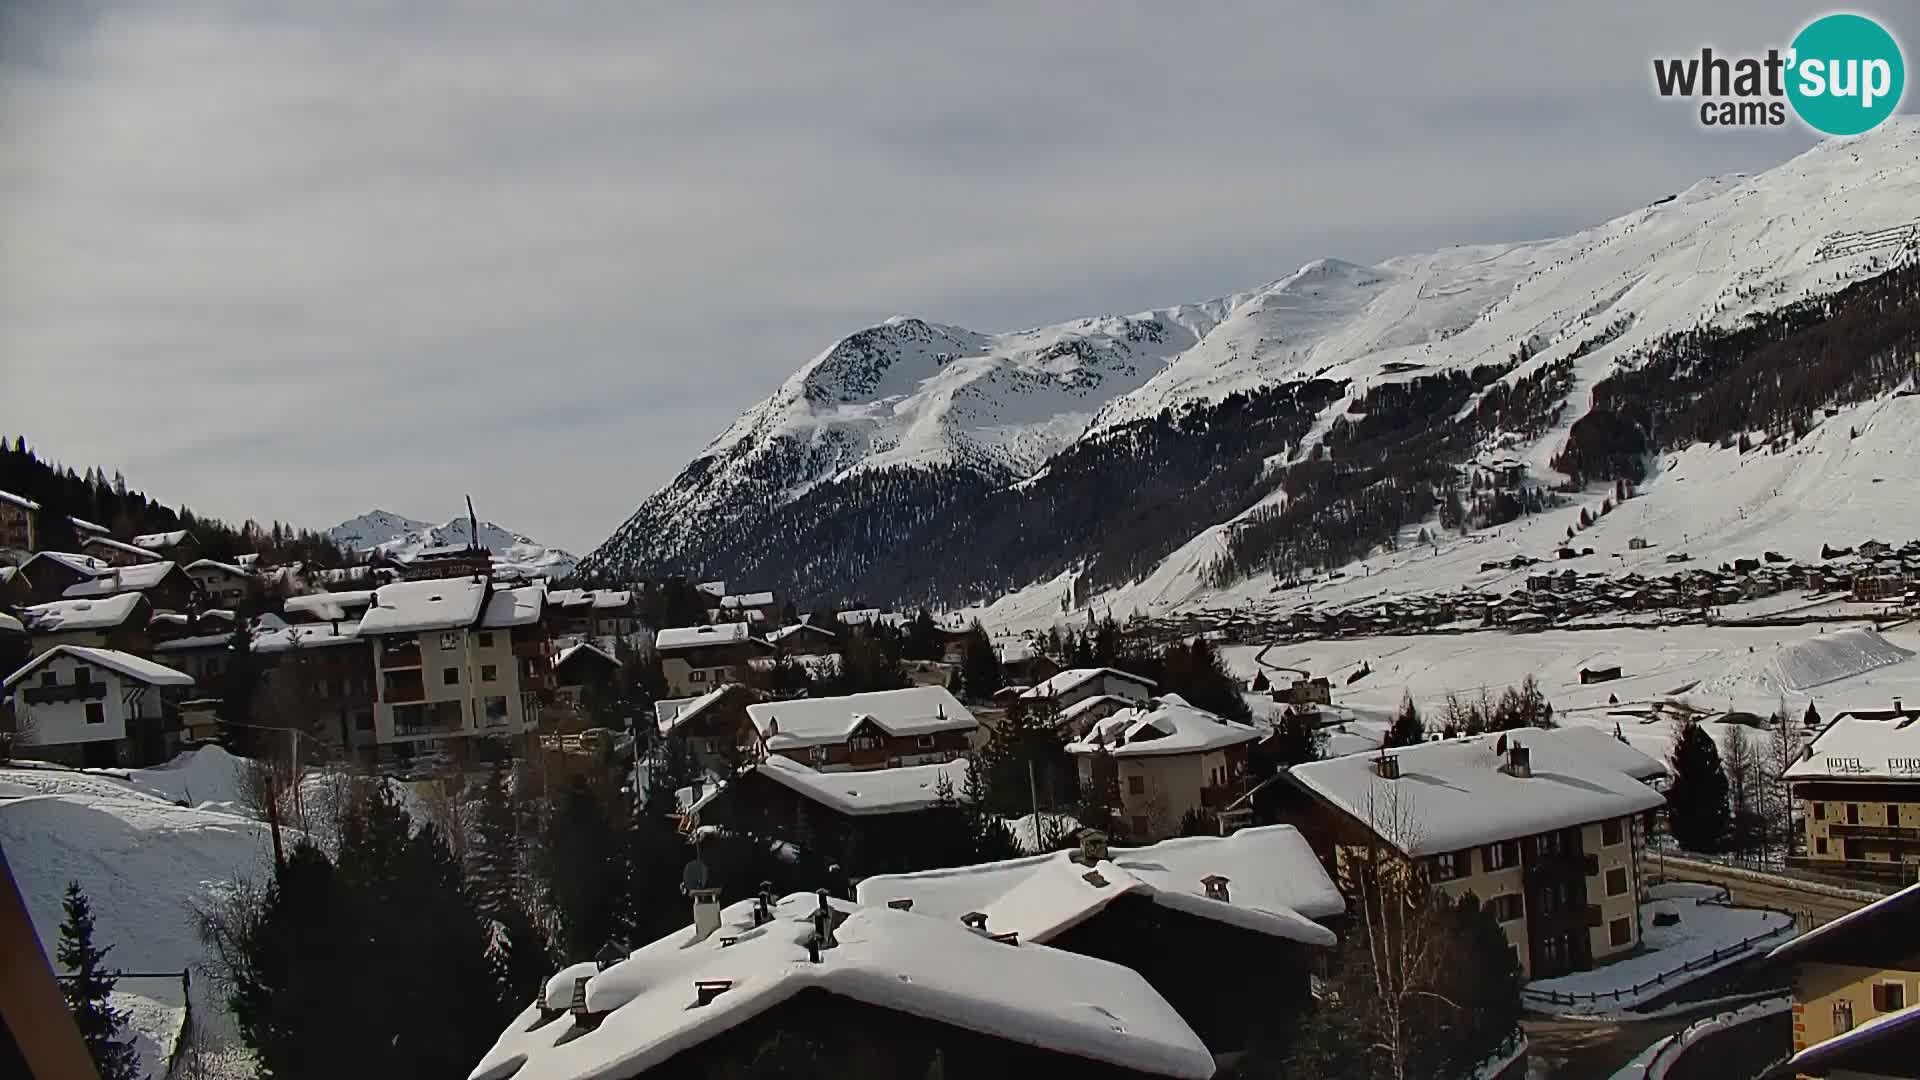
(1855, 970)
(455, 658)
(97, 708)
(319, 678)
(713, 728)
(594, 613)
(1858, 784)
(222, 585)
(920, 725)
(164, 583)
(19, 522)
(695, 659)
(1545, 827)
(1168, 758)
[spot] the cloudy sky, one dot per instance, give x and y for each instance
(297, 259)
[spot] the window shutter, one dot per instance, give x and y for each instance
(1879, 997)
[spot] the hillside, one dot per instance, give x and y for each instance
(402, 537)
(1290, 429)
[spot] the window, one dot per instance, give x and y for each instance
(697, 676)
(1508, 907)
(488, 673)
(1819, 811)
(1449, 865)
(924, 742)
(1611, 833)
(864, 742)
(1853, 813)
(82, 674)
(363, 721)
(1500, 856)
(1889, 996)
(451, 676)
(1617, 881)
(1136, 785)
(449, 641)
(1620, 932)
(96, 713)
(1842, 1017)
(1139, 826)
(1893, 813)
(494, 709)
(1819, 845)
(818, 754)
(49, 677)
(486, 639)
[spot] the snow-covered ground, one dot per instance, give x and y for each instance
(1706, 927)
(145, 863)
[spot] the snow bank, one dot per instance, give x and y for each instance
(1704, 929)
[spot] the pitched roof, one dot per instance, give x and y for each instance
(1883, 1046)
(215, 564)
(84, 565)
(11, 625)
(753, 599)
(782, 633)
(1167, 725)
(584, 649)
(127, 664)
(1086, 705)
(868, 791)
(1067, 681)
(162, 539)
(1459, 797)
(933, 969)
(278, 639)
(693, 637)
(111, 544)
(514, 607)
(18, 500)
(1275, 885)
(406, 607)
(1862, 747)
(63, 616)
(1861, 936)
(329, 605)
(916, 710)
(686, 709)
(86, 526)
(121, 579)
(591, 598)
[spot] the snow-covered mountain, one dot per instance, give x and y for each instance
(403, 537)
(905, 435)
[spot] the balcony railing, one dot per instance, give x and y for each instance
(59, 692)
(1876, 832)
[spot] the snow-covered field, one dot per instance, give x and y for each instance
(1704, 929)
(144, 862)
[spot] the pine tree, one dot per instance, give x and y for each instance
(517, 950)
(1811, 719)
(587, 873)
(1697, 811)
(1296, 740)
(89, 988)
(1196, 673)
(980, 674)
(1407, 729)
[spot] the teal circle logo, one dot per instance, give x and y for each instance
(1846, 74)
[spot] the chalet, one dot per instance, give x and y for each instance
(1859, 971)
(98, 708)
(447, 561)
(1255, 896)
(1305, 691)
(117, 622)
(881, 729)
(804, 639)
(1875, 549)
(1874, 585)
(695, 659)
(873, 820)
(203, 649)
(1599, 674)
(593, 613)
(757, 607)
(1169, 759)
(320, 678)
(114, 553)
(164, 584)
(1858, 785)
(1078, 719)
(1546, 827)
(1024, 665)
(1077, 684)
(52, 573)
(16, 589)
(880, 995)
(1637, 543)
(713, 727)
(328, 607)
(19, 523)
(455, 658)
(222, 584)
(179, 545)
(581, 671)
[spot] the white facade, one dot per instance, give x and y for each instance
(74, 696)
(439, 684)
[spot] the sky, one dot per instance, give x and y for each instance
(292, 260)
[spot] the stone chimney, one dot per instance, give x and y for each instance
(1216, 887)
(1519, 761)
(1387, 766)
(1093, 847)
(706, 912)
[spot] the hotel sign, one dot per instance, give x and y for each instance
(1853, 766)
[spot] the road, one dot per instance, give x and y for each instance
(1812, 908)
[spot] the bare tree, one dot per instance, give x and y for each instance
(1783, 749)
(1404, 943)
(1742, 763)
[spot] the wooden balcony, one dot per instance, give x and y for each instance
(59, 692)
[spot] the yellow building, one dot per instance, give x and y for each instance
(1858, 785)
(1854, 971)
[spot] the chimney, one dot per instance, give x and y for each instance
(578, 1005)
(1216, 887)
(823, 922)
(705, 990)
(1093, 847)
(1387, 766)
(763, 904)
(902, 904)
(706, 912)
(1896, 704)
(975, 921)
(1519, 761)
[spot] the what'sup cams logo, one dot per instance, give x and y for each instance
(1843, 75)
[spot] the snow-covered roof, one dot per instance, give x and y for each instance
(693, 637)
(712, 588)
(1275, 885)
(782, 633)
(279, 639)
(111, 544)
(215, 564)
(1882, 1046)
(665, 709)
(1014, 652)
(514, 607)
(86, 526)
(586, 647)
(1854, 747)
(62, 616)
(685, 710)
(1896, 909)
(743, 600)
(329, 605)
(84, 565)
(934, 969)
(593, 598)
(125, 663)
(1067, 681)
(1168, 725)
(18, 500)
(197, 641)
(916, 710)
(405, 607)
(161, 539)
(1086, 705)
(1453, 793)
(121, 579)
(11, 625)
(868, 791)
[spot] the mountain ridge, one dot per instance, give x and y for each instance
(402, 537)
